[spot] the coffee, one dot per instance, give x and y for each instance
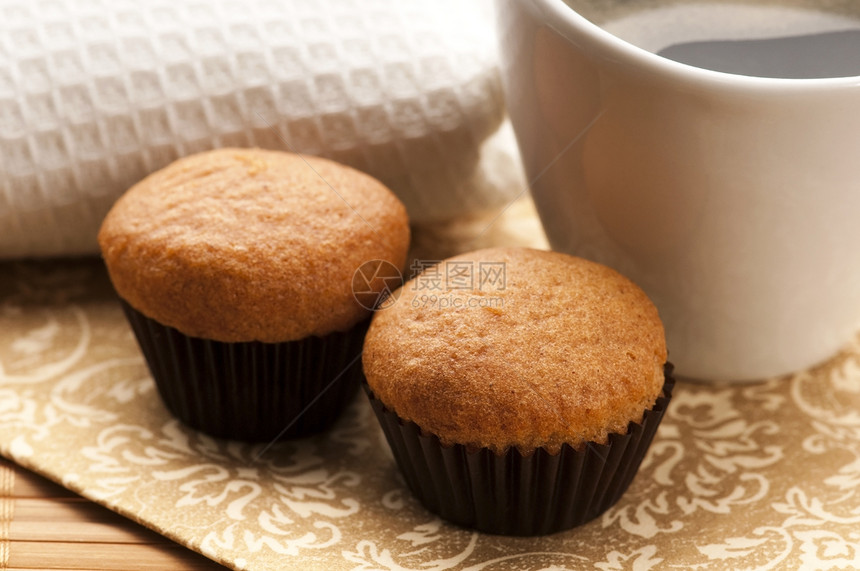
(765, 38)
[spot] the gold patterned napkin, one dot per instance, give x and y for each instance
(754, 476)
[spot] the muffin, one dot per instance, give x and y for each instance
(519, 389)
(235, 269)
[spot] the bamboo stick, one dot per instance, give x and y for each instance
(30, 485)
(77, 532)
(105, 557)
(55, 510)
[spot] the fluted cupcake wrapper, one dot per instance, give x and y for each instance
(251, 391)
(513, 494)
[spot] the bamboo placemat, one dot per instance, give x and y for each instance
(7, 505)
(45, 526)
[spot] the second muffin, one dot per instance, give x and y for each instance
(235, 268)
(519, 389)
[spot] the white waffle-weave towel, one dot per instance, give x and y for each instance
(94, 95)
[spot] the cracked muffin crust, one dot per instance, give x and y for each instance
(567, 351)
(243, 245)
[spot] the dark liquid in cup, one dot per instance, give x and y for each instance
(796, 39)
(827, 54)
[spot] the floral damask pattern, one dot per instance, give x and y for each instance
(761, 476)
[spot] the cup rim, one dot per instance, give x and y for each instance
(619, 50)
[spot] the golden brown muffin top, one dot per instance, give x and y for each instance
(567, 351)
(247, 244)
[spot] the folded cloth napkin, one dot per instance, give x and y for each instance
(94, 95)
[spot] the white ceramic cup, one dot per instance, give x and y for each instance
(734, 201)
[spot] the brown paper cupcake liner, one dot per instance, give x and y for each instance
(251, 391)
(513, 494)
